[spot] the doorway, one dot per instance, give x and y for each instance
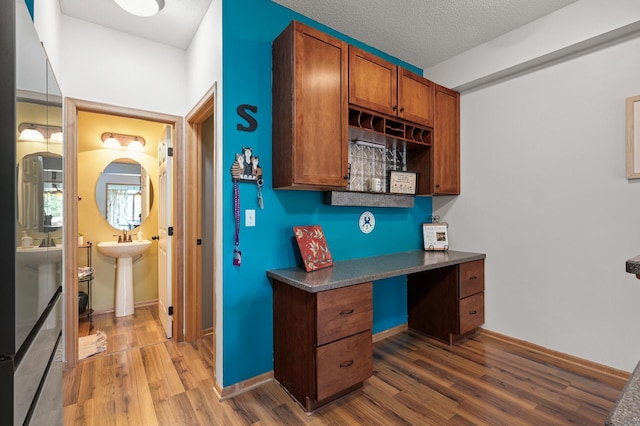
(201, 221)
(73, 108)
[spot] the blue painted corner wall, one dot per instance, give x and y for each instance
(249, 27)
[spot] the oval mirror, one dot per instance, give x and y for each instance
(40, 200)
(124, 194)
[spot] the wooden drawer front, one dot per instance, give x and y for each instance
(471, 278)
(343, 312)
(344, 363)
(471, 312)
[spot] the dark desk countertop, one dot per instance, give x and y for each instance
(627, 408)
(356, 271)
(633, 265)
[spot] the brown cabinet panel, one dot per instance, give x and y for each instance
(312, 372)
(471, 313)
(446, 142)
(471, 278)
(310, 109)
(379, 85)
(344, 312)
(436, 300)
(343, 363)
(372, 82)
(415, 98)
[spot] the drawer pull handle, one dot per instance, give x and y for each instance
(349, 312)
(473, 277)
(474, 312)
(346, 364)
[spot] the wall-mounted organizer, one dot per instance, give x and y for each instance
(85, 278)
(378, 145)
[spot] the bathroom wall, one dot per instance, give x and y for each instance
(92, 159)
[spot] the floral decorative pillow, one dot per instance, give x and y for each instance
(313, 247)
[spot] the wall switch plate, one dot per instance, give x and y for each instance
(249, 218)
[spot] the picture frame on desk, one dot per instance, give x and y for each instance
(435, 236)
(402, 182)
(633, 137)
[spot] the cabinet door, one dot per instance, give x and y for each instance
(373, 82)
(415, 98)
(446, 142)
(310, 110)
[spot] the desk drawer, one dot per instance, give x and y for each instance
(343, 312)
(343, 364)
(471, 278)
(471, 312)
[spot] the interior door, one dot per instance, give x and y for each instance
(165, 310)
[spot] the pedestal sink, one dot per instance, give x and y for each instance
(45, 258)
(124, 252)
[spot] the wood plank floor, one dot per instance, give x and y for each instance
(416, 381)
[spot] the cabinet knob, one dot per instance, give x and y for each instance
(349, 312)
(346, 364)
(437, 185)
(346, 177)
(474, 312)
(473, 277)
(395, 107)
(402, 109)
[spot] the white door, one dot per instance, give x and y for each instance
(164, 241)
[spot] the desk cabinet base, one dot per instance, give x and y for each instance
(447, 303)
(322, 342)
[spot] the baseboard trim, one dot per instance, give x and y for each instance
(135, 305)
(241, 387)
(252, 383)
(556, 354)
(390, 332)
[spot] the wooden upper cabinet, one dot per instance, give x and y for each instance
(373, 82)
(446, 142)
(415, 98)
(383, 87)
(310, 110)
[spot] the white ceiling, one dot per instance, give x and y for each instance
(175, 25)
(420, 32)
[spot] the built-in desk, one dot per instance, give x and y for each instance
(322, 320)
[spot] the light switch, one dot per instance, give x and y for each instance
(249, 218)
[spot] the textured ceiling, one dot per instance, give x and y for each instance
(420, 32)
(175, 25)
(424, 32)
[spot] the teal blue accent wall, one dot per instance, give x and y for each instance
(29, 4)
(249, 27)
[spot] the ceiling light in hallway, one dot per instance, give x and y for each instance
(141, 7)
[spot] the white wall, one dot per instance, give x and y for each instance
(204, 59)
(544, 194)
(108, 66)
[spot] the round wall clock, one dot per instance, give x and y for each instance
(367, 222)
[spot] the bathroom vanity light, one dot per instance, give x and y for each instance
(30, 132)
(141, 7)
(119, 141)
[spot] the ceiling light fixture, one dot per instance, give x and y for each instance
(141, 7)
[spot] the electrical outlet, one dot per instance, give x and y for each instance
(249, 218)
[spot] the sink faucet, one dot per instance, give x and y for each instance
(47, 242)
(123, 238)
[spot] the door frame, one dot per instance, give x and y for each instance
(70, 250)
(193, 217)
